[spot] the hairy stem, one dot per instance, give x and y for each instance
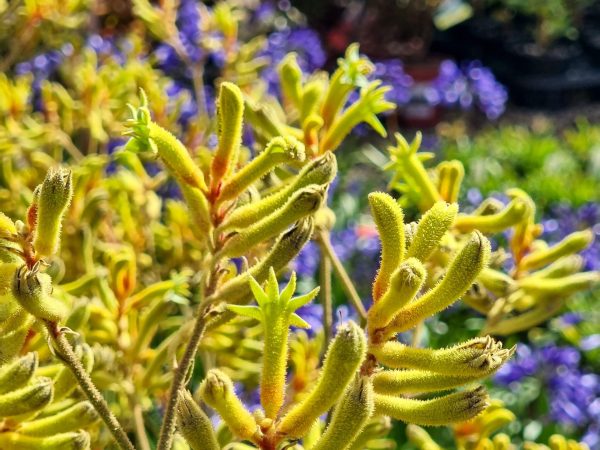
(70, 359)
(326, 300)
(167, 428)
(342, 275)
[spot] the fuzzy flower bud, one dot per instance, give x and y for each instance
(344, 355)
(279, 150)
(405, 282)
(289, 244)
(514, 213)
(194, 424)
(217, 391)
(349, 417)
(573, 243)
(18, 373)
(290, 75)
(456, 407)
(301, 204)
(461, 274)
(75, 440)
(477, 357)
(389, 219)
(430, 230)
(230, 112)
(78, 416)
(52, 199)
(33, 292)
(30, 398)
(320, 171)
(450, 176)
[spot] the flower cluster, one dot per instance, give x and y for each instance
(574, 393)
(466, 86)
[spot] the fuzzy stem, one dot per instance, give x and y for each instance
(326, 300)
(167, 429)
(343, 276)
(70, 359)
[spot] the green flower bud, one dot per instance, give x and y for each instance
(8, 249)
(78, 416)
(13, 333)
(217, 391)
(457, 407)
(477, 357)
(76, 440)
(389, 219)
(514, 213)
(320, 171)
(303, 203)
(237, 290)
(30, 398)
(199, 211)
(290, 76)
(33, 292)
(567, 265)
(573, 243)
(495, 418)
(18, 373)
(349, 417)
(194, 424)
(559, 286)
(230, 112)
(497, 282)
(278, 151)
(432, 227)
(147, 135)
(396, 382)
(54, 196)
(344, 355)
(419, 437)
(405, 283)
(312, 96)
(502, 442)
(536, 315)
(450, 176)
(461, 274)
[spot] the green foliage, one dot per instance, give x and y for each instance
(541, 162)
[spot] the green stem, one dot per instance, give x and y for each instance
(325, 294)
(167, 428)
(342, 275)
(138, 421)
(70, 359)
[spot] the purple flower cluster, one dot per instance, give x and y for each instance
(564, 220)
(574, 393)
(391, 73)
(305, 42)
(188, 26)
(468, 85)
(43, 67)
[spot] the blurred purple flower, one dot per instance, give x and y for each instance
(305, 42)
(574, 394)
(467, 86)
